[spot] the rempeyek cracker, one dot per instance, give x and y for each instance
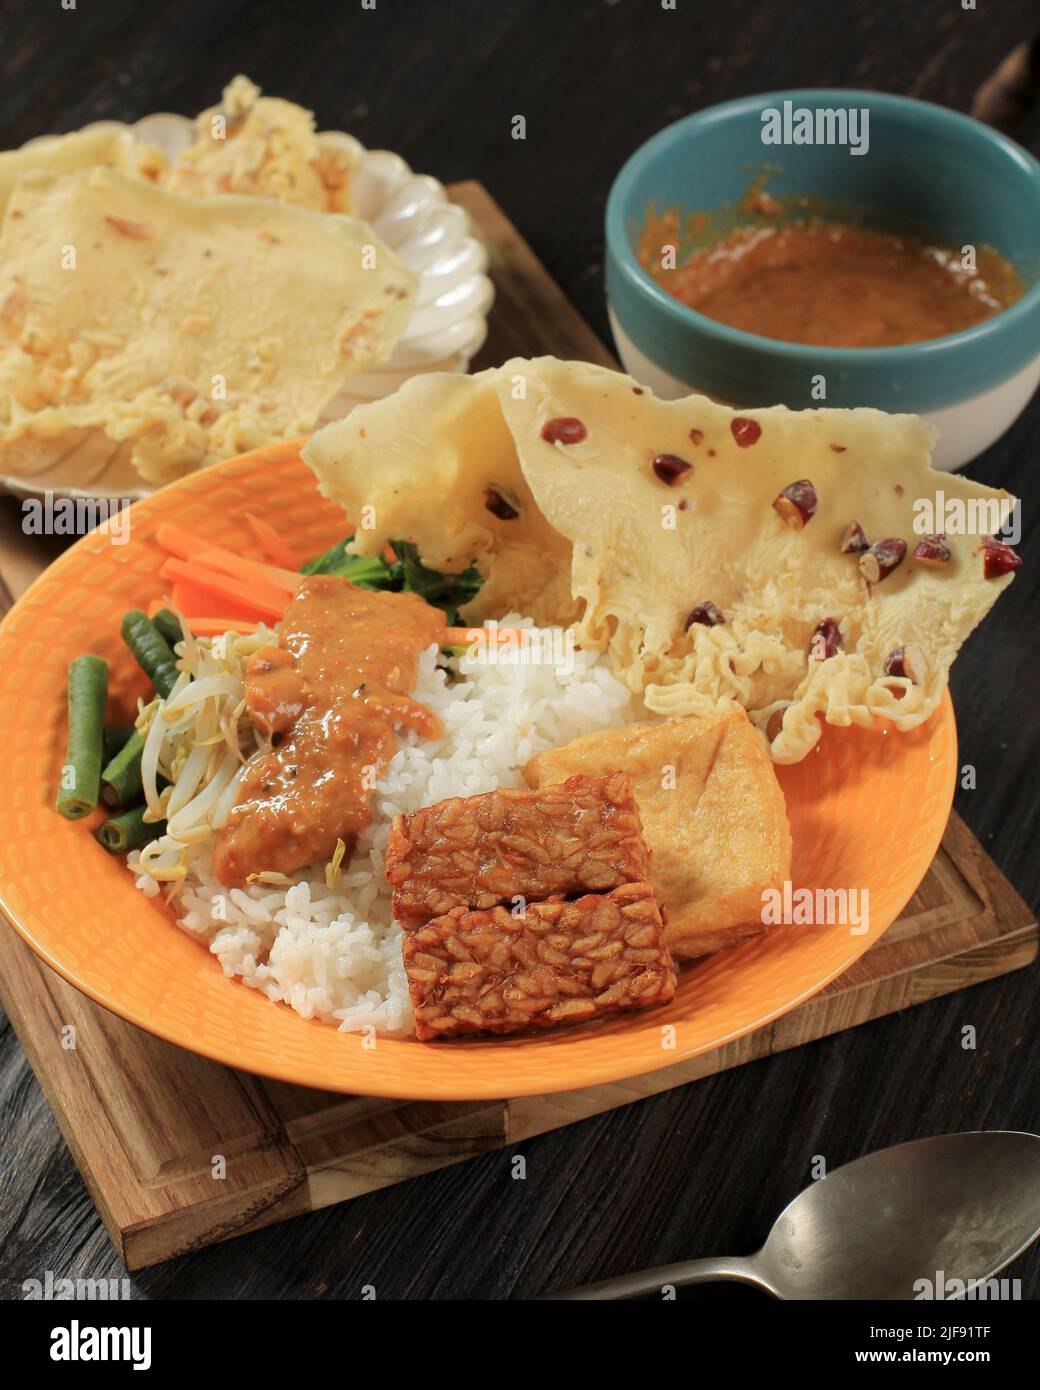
(179, 330)
(108, 145)
(797, 563)
(268, 148)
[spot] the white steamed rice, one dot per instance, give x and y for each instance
(335, 954)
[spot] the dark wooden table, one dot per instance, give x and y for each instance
(696, 1171)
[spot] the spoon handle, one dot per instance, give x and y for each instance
(674, 1276)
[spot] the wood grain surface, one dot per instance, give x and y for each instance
(703, 1168)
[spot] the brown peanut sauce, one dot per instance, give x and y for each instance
(835, 285)
(330, 695)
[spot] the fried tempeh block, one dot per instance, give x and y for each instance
(581, 836)
(488, 971)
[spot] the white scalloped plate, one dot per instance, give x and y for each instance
(412, 214)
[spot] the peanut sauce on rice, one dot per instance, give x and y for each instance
(330, 695)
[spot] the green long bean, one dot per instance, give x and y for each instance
(121, 778)
(128, 831)
(169, 626)
(81, 771)
(114, 736)
(150, 649)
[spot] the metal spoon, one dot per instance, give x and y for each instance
(956, 1207)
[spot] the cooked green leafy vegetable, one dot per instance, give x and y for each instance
(407, 575)
(328, 559)
(447, 591)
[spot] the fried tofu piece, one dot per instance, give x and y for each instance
(713, 814)
(557, 962)
(475, 851)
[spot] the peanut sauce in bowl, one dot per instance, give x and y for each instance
(330, 696)
(851, 282)
(833, 284)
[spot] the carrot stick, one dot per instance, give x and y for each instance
(186, 598)
(179, 541)
(271, 543)
(252, 571)
(186, 546)
(258, 600)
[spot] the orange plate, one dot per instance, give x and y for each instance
(867, 809)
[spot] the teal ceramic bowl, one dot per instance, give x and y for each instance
(923, 166)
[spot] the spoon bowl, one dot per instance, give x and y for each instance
(932, 1217)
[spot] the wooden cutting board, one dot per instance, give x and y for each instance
(179, 1152)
